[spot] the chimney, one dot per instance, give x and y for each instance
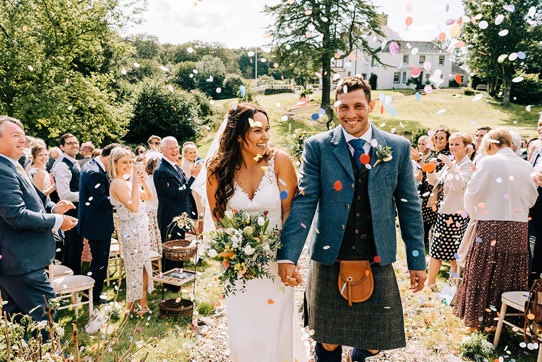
(383, 19)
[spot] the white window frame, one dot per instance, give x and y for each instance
(398, 75)
(422, 59)
(441, 60)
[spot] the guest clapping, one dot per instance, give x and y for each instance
(452, 220)
(190, 159)
(40, 177)
(127, 198)
(498, 197)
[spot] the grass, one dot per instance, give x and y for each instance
(461, 114)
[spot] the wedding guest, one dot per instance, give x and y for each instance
(87, 149)
(452, 220)
(498, 197)
(66, 174)
(27, 219)
(480, 152)
(152, 205)
(127, 198)
(40, 177)
(54, 154)
(440, 147)
(140, 150)
(154, 143)
(96, 217)
(190, 158)
(174, 194)
(516, 142)
(420, 155)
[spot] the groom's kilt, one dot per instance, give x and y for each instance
(376, 323)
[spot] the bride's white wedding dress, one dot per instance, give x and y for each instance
(263, 324)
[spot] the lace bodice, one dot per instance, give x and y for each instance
(266, 197)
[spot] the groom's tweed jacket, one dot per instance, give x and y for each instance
(326, 168)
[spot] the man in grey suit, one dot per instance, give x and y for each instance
(354, 190)
(27, 218)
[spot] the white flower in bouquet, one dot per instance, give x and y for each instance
(212, 253)
(249, 250)
(230, 231)
(229, 214)
(261, 220)
(266, 247)
(248, 230)
(236, 239)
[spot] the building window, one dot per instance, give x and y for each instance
(427, 76)
(441, 59)
(339, 63)
(404, 77)
(405, 59)
(373, 62)
(364, 75)
(396, 77)
(349, 74)
(422, 59)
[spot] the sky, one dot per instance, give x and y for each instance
(241, 23)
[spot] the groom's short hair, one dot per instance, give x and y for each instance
(354, 83)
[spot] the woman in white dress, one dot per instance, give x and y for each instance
(245, 174)
(127, 198)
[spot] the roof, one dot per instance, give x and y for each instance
(456, 69)
(424, 47)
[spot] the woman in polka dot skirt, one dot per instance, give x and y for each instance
(452, 218)
(498, 197)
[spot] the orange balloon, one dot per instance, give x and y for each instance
(408, 21)
(442, 37)
(429, 167)
(458, 78)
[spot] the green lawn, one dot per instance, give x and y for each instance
(462, 114)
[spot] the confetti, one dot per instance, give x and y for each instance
(338, 185)
(408, 21)
(415, 253)
(283, 195)
(477, 97)
(326, 247)
(441, 111)
(364, 159)
(377, 259)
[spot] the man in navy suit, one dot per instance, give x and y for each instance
(174, 194)
(27, 218)
(96, 216)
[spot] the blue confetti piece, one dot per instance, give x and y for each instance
(415, 253)
(392, 111)
(315, 116)
(521, 55)
(454, 275)
(322, 111)
(479, 240)
(447, 7)
(456, 255)
(510, 8)
(418, 96)
(283, 195)
(242, 89)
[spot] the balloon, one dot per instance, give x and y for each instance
(408, 21)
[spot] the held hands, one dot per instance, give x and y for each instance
(417, 280)
(62, 207)
(68, 223)
(289, 274)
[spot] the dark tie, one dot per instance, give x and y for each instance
(357, 143)
(179, 172)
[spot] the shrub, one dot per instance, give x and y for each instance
(373, 81)
(305, 92)
(269, 91)
(468, 91)
(231, 85)
(528, 91)
(204, 108)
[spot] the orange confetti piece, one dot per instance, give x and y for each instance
(270, 301)
(481, 205)
(304, 226)
(408, 21)
(364, 159)
(458, 78)
(382, 109)
(530, 316)
(442, 37)
(338, 186)
(429, 167)
(377, 259)
(493, 242)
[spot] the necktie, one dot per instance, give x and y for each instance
(179, 171)
(357, 143)
(21, 170)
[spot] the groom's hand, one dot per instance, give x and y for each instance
(417, 279)
(289, 275)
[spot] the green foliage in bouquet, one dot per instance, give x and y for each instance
(244, 245)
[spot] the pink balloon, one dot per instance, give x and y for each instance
(428, 89)
(415, 72)
(394, 48)
(427, 66)
(409, 7)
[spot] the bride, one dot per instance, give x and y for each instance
(246, 174)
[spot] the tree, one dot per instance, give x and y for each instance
(210, 76)
(163, 111)
(58, 64)
(319, 29)
(497, 35)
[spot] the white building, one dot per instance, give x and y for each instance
(434, 64)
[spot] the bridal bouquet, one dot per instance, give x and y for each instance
(244, 245)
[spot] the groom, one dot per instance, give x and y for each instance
(354, 199)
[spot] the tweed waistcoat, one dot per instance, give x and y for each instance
(76, 174)
(358, 241)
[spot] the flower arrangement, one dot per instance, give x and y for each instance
(476, 345)
(244, 245)
(183, 222)
(383, 154)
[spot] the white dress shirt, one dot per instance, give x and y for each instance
(59, 219)
(454, 182)
(367, 137)
(501, 188)
(152, 205)
(62, 176)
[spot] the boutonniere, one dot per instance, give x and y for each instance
(383, 154)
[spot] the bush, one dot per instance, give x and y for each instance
(528, 91)
(468, 91)
(231, 85)
(204, 108)
(269, 91)
(373, 81)
(184, 75)
(163, 112)
(211, 75)
(267, 80)
(305, 92)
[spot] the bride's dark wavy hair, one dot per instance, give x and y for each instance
(228, 158)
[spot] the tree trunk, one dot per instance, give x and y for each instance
(490, 86)
(507, 82)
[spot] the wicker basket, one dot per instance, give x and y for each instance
(171, 307)
(179, 250)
